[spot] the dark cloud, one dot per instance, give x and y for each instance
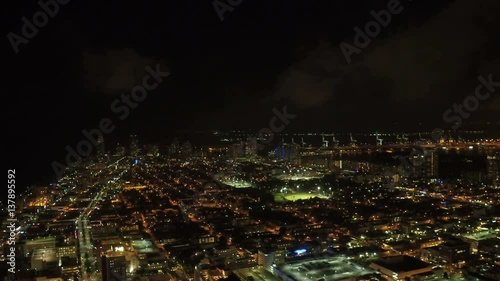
(114, 71)
(432, 62)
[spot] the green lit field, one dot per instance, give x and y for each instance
(283, 197)
(233, 181)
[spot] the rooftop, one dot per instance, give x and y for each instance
(326, 268)
(401, 263)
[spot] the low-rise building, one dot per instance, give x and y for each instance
(400, 267)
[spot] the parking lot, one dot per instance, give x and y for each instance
(327, 269)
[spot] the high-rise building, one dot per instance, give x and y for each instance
(134, 146)
(114, 268)
(237, 150)
(187, 149)
(295, 154)
(120, 150)
(288, 152)
(493, 160)
(100, 147)
(251, 147)
(174, 147)
(425, 163)
(283, 152)
(153, 150)
(268, 258)
(431, 163)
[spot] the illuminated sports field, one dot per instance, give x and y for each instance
(238, 184)
(283, 197)
(298, 177)
(233, 182)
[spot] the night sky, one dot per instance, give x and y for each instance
(230, 74)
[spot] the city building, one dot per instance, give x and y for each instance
(493, 160)
(454, 252)
(251, 148)
(323, 268)
(153, 151)
(400, 267)
(44, 259)
(101, 149)
(426, 164)
(269, 258)
(134, 149)
(431, 163)
(120, 150)
(114, 268)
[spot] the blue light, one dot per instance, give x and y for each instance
(300, 251)
(136, 162)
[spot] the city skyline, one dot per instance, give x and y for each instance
(230, 74)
